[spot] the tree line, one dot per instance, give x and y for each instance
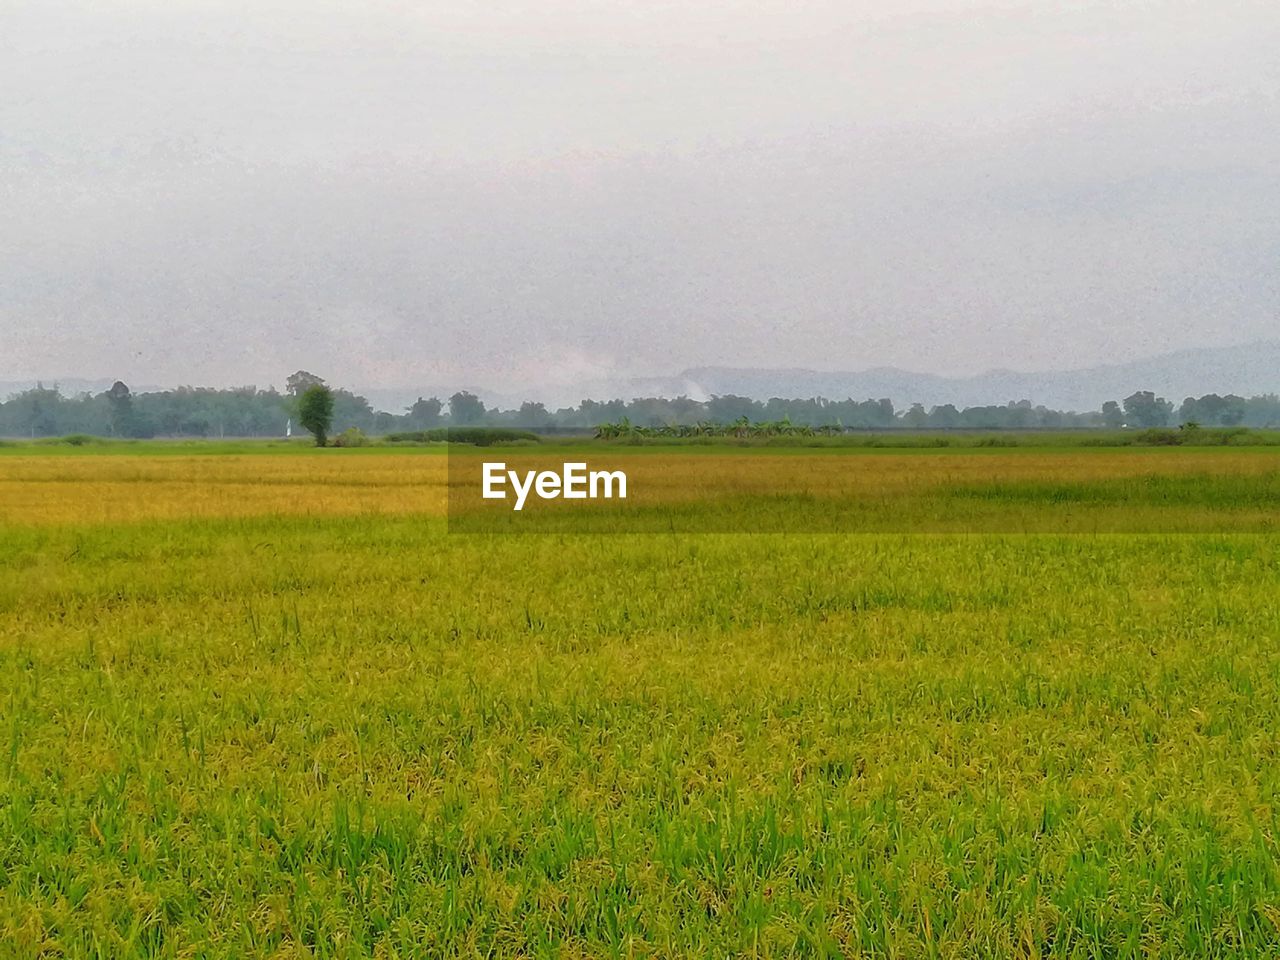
(252, 412)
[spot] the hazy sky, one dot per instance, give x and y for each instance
(505, 193)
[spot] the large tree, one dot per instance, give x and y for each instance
(298, 383)
(533, 416)
(315, 412)
(120, 400)
(424, 414)
(125, 420)
(465, 409)
(1145, 409)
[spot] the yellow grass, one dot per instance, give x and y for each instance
(264, 705)
(131, 487)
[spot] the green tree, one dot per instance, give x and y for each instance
(1112, 415)
(915, 418)
(35, 412)
(315, 411)
(121, 402)
(533, 416)
(947, 417)
(729, 407)
(299, 383)
(1233, 411)
(125, 419)
(352, 410)
(465, 409)
(1209, 409)
(1145, 409)
(424, 414)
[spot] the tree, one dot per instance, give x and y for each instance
(120, 401)
(915, 418)
(1112, 415)
(424, 414)
(533, 416)
(1234, 410)
(1209, 409)
(729, 407)
(947, 417)
(35, 412)
(1145, 409)
(351, 410)
(300, 382)
(1213, 410)
(315, 411)
(465, 409)
(125, 420)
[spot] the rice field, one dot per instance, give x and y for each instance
(261, 703)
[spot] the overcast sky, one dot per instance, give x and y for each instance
(508, 193)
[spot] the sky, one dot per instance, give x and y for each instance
(534, 194)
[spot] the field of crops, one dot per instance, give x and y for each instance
(261, 703)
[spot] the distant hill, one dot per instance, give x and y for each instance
(1247, 370)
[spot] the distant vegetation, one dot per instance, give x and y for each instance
(791, 435)
(479, 436)
(250, 412)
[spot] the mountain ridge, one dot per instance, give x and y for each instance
(1247, 369)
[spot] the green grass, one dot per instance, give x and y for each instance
(355, 736)
(719, 489)
(105, 446)
(871, 440)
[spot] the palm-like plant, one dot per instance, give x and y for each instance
(740, 429)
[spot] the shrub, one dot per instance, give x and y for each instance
(70, 439)
(1159, 437)
(351, 437)
(1227, 436)
(478, 436)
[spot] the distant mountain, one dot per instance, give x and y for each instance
(1247, 370)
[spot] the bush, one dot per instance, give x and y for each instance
(1227, 436)
(351, 437)
(1159, 437)
(1194, 435)
(479, 436)
(76, 440)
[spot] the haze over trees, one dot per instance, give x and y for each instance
(466, 409)
(296, 384)
(1145, 409)
(424, 414)
(43, 411)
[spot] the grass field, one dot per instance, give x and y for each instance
(260, 703)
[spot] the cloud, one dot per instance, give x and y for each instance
(489, 194)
